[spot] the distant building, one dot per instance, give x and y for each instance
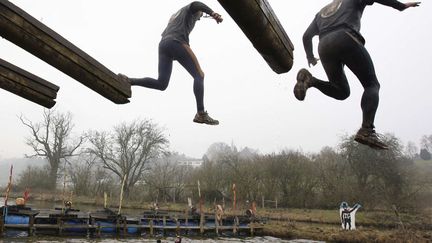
(191, 162)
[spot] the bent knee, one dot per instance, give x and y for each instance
(163, 85)
(373, 88)
(343, 95)
(199, 77)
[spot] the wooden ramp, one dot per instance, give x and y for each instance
(27, 32)
(27, 85)
(261, 25)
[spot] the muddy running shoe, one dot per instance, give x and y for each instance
(369, 137)
(304, 79)
(124, 78)
(203, 117)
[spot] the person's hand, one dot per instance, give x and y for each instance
(412, 4)
(217, 17)
(312, 61)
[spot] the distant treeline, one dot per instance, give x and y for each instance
(136, 155)
(351, 172)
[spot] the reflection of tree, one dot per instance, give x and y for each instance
(128, 150)
(51, 139)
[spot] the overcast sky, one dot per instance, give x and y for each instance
(255, 106)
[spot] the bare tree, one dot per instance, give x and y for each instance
(411, 150)
(168, 177)
(51, 139)
(128, 150)
(381, 175)
(426, 143)
(82, 175)
(334, 177)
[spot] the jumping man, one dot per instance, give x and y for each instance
(175, 46)
(340, 44)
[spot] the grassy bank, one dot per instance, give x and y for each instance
(334, 233)
(324, 225)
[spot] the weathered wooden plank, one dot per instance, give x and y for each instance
(27, 85)
(260, 24)
(25, 31)
(27, 79)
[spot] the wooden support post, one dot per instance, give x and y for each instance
(178, 227)
(59, 225)
(31, 225)
(88, 226)
(202, 223)
(201, 209)
(187, 220)
(139, 227)
(164, 225)
(260, 24)
(125, 227)
(216, 223)
(117, 226)
(98, 230)
(235, 230)
(251, 230)
(2, 225)
(30, 34)
(93, 228)
(27, 85)
(151, 228)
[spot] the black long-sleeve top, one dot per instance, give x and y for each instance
(182, 23)
(339, 14)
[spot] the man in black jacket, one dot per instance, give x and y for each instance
(175, 46)
(340, 44)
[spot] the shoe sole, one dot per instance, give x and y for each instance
(371, 145)
(299, 89)
(202, 122)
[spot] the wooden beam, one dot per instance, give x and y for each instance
(260, 24)
(27, 85)
(27, 32)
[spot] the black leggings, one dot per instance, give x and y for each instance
(170, 50)
(337, 49)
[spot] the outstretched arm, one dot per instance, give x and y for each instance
(311, 31)
(199, 6)
(398, 5)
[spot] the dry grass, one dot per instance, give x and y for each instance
(330, 233)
